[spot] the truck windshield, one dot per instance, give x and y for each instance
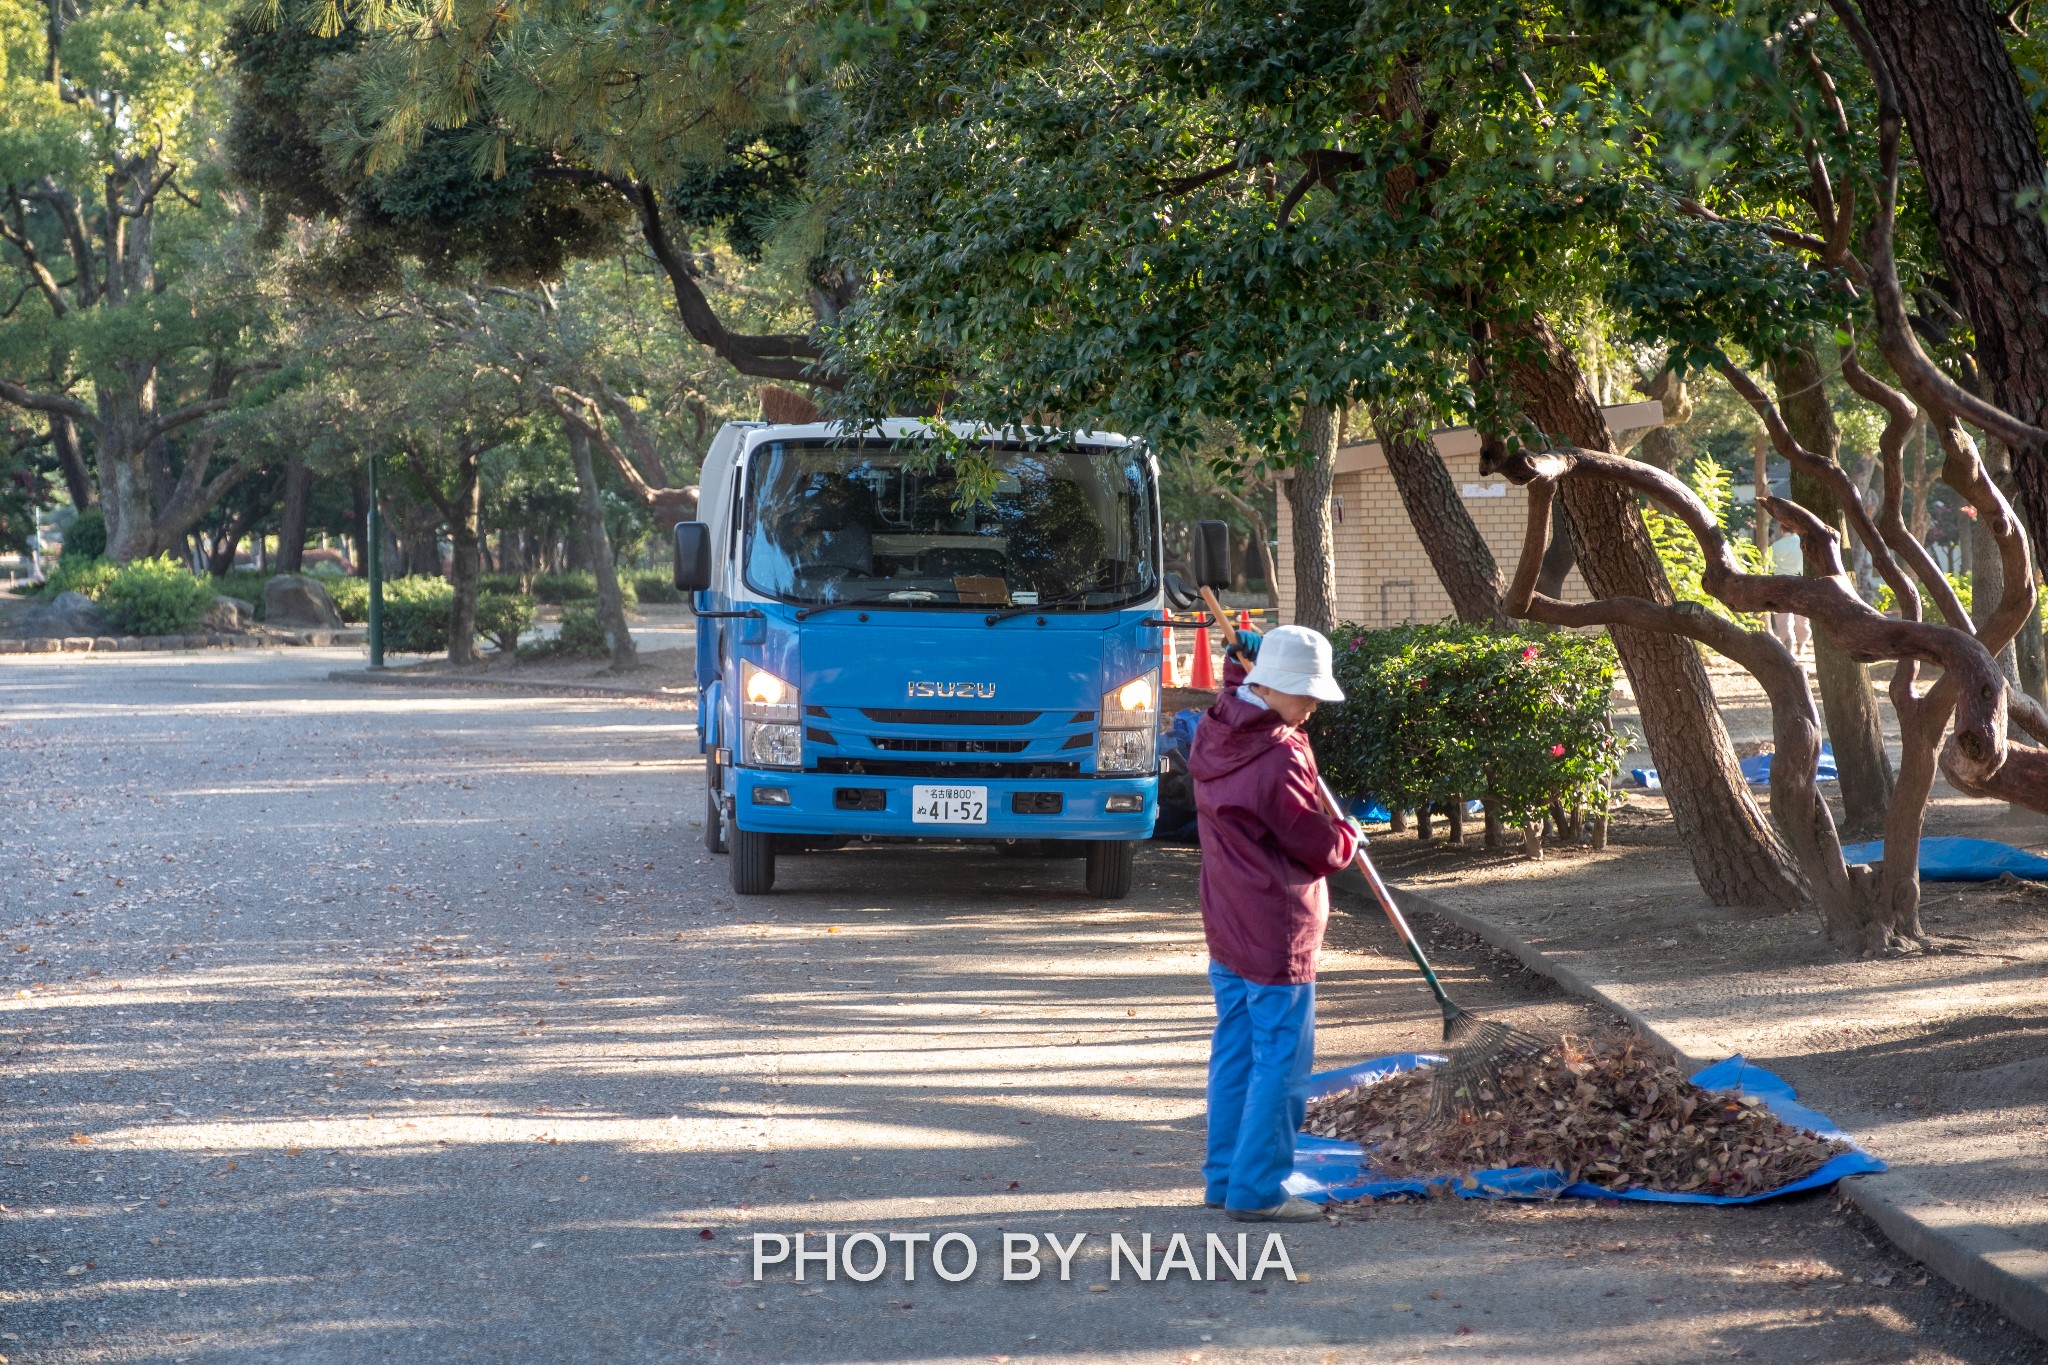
(1070, 529)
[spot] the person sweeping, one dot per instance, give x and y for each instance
(1267, 847)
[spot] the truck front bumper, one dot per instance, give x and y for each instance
(814, 806)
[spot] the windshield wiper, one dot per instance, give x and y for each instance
(808, 612)
(1078, 599)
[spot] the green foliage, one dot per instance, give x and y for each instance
(156, 597)
(87, 576)
(416, 612)
(1679, 550)
(503, 617)
(1436, 712)
(653, 585)
(580, 636)
(497, 582)
(86, 536)
(351, 597)
(560, 589)
(1887, 600)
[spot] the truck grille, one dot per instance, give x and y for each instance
(943, 716)
(892, 744)
(905, 767)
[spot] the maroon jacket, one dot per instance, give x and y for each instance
(1267, 843)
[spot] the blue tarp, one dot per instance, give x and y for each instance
(1756, 769)
(1961, 860)
(1646, 778)
(1327, 1169)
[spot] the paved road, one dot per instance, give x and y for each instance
(344, 1025)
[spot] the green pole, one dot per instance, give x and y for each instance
(373, 532)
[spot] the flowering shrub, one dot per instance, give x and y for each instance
(1438, 712)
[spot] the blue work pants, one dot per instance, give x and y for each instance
(1259, 1062)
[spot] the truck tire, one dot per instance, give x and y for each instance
(753, 861)
(714, 809)
(1109, 867)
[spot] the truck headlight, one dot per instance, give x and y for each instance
(769, 734)
(1129, 741)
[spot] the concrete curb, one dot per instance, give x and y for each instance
(151, 644)
(560, 689)
(2003, 1272)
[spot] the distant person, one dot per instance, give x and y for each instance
(1267, 846)
(1794, 632)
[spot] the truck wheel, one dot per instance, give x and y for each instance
(753, 861)
(1109, 867)
(714, 809)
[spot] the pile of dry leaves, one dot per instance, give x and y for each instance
(1603, 1109)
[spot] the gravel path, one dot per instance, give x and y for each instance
(344, 1024)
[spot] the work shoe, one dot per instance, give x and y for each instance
(1292, 1211)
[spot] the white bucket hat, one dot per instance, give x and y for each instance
(1296, 660)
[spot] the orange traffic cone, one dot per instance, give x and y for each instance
(1172, 667)
(1244, 620)
(1205, 670)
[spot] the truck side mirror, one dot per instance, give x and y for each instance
(1212, 554)
(693, 556)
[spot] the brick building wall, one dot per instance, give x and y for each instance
(1384, 577)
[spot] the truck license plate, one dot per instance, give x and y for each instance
(949, 805)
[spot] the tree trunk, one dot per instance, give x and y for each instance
(1978, 151)
(220, 556)
(1738, 856)
(71, 461)
(464, 527)
(1308, 497)
(1848, 704)
(611, 609)
(1460, 555)
(291, 533)
(422, 540)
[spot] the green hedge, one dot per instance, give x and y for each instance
(498, 582)
(416, 613)
(563, 589)
(580, 635)
(503, 617)
(351, 598)
(88, 576)
(655, 585)
(86, 536)
(156, 597)
(1442, 712)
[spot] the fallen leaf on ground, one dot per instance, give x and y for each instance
(1602, 1109)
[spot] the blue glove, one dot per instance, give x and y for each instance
(1246, 650)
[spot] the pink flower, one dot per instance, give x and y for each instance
(1529, 653)
(1557, 751)
(1357, 640)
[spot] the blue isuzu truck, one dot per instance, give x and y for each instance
(882, 657)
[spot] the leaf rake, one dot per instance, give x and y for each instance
(1478, 1050)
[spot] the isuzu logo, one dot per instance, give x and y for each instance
(985, 691)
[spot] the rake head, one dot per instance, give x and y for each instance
(1469, 1079)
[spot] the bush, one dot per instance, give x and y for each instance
(563, 589)
(655, 585)
(416, 614)
(88, 576)
(156, 597)
(580, 635)
(351, 597)
(86, 536)
(1442, 712)
(503, 617)
(498, 582)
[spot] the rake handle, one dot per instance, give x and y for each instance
(1363, 862)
